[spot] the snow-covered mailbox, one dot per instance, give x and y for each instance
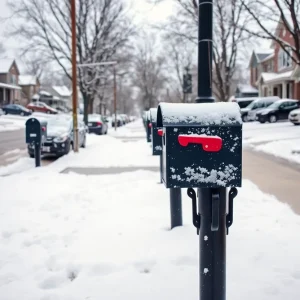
(156, 133)
(148, 126)
(36, 131)
(202, 144)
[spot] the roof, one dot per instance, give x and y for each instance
(199, 114)
(273, 77)
(247, 89)
(153, 114)
(5, 64)
(9, 86)
(44, 93)
(63, 91)
(27, 80)
(268, 57)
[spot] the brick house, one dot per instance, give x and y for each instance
(273, 72)
(10, 92)
(30, 86)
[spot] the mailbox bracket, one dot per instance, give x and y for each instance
(196, 217)
(229, 218)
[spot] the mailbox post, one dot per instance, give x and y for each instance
(36, 133)
(211, 218)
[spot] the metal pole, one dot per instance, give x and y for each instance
(211, 202)
(161, 165)
(115, 96)
(37, 155)
(74, 75)
(175, 207)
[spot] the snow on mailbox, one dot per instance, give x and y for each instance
(202, 144)
(156, 133)
(148, 126)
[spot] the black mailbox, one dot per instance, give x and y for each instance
(36, 131)
(202, 144)
(148, 126)
(156, 133)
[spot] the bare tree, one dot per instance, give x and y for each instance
(271, 17)
(103, 30)
(2, 50)
(230, 22)
(148, 74)
(179, 57)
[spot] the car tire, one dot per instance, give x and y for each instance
(5, 112)
(48, 112)
(262, 121)
(296, 124)
(245, 118)
(273, 119)
(68, 149)
(31, 155)
(22, 114)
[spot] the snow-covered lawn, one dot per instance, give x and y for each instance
(77, 237)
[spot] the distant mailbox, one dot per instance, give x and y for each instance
(36, 131)
(148, 126)
(156, 133)
(202, 144)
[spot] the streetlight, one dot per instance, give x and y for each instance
(107, 63)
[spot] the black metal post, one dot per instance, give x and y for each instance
(37, 154)
(161, 167)
(211, 202)
(212, 242)
(175, 207)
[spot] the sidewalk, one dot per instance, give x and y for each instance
(68, 236)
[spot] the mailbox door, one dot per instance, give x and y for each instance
(33, 131)
(148, 129)
(204, 156)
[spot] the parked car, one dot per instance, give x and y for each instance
(279, 110)
(242, 102)
(294, 116)
(41, 107)
(60, 139)
(97, 124)
(256, 106)
(16, 109)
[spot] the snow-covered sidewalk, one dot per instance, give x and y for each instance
(76, 237)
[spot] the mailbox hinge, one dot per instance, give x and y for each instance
(229, 218)
(196, 217)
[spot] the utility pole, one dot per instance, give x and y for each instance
(74, 76)
(115, 96)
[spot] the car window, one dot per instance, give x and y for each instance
(291, 105)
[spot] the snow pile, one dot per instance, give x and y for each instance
(203, 114)
(286, 149)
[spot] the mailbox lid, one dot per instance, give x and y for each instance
(153, 115)
(198, 114)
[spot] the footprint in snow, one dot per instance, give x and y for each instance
(145, 266)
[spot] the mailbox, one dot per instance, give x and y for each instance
(156, 133)
(36, 131)
(202, 144)
(148, 126)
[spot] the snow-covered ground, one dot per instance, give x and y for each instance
(70, 236)
(281, 139)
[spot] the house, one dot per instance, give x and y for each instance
(273, 72)
(10, 92)
(62, 96)
(30, 86)
(246, 90)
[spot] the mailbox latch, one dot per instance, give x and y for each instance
(229, 218)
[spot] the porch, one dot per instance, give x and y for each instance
(9, 94)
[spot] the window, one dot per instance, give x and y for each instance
(284, 59)
(13, 79)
